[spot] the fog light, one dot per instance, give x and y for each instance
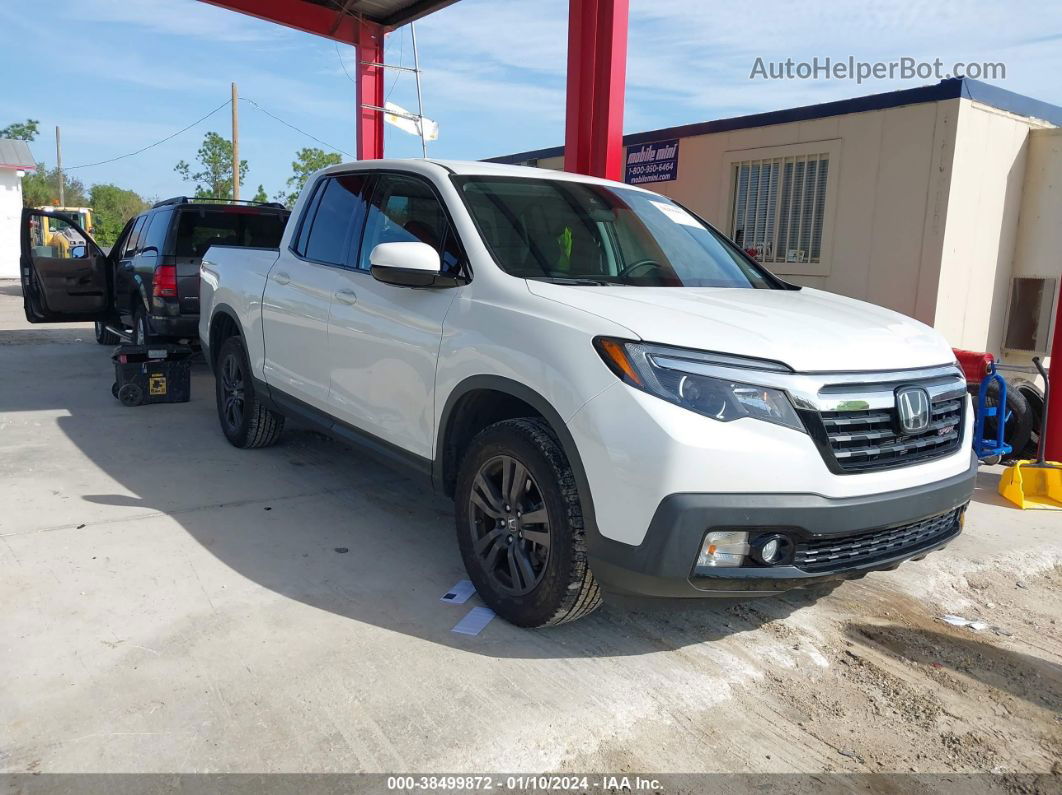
(724, 548)
(771, 550)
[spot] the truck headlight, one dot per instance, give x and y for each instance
(671, 374)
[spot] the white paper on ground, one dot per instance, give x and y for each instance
(460, 593)
(959, 621)
(474, 621)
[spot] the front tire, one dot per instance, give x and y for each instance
(520, 526)
(245, 421)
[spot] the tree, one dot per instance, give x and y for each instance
(261, 196)
(306, 162)
(41, 189)
(113, 207)
(215, 159)
(21, 130)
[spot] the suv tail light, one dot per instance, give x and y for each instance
(165, 282)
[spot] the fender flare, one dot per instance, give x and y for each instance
(522, 392)
(229, 312)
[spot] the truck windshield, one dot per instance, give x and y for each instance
(580, 233)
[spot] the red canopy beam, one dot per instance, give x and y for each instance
(367, 36)
(370, 91)
(298, 14)
(1053, 436)
(597, 72)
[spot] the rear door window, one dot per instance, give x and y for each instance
(198, 228)
(133, 241)
(307, 219)
(340, 215)
(155, 234)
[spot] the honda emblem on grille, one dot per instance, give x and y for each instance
(912, 409)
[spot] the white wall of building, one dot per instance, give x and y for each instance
(984, 204)
(1038, 249)
(10, 220)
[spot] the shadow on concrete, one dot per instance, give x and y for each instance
(43, 334)
(1037, 681)
(986, 489)
(281, 516)
(11, 287)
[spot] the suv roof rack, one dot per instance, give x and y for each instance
(214, 200)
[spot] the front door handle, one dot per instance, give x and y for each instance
(281, 277)
(346, 297)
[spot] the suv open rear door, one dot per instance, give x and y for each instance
(64, 273)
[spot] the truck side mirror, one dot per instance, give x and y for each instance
(408, 264)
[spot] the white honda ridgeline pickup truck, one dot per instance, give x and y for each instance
(616, 397)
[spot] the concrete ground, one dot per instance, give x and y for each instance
(172, 604)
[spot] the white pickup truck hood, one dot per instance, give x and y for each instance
(809, 330)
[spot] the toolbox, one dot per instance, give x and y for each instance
(146, 374)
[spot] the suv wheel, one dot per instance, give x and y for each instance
(141, 328)
(105, 336)
(520, 526)
(244, 420)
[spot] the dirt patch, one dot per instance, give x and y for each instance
(906, 692)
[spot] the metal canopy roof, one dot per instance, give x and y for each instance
(335, 19)
(389, 13)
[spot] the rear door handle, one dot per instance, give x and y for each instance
(281, 277)
(346, 297)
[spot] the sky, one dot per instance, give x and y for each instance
(119, 75)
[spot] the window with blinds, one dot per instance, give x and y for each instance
(779, 204)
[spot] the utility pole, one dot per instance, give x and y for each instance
(420, 99)
(235, 143)
(59, 167)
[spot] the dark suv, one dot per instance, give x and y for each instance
(157, 256)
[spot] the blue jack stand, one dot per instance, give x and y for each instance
(991, 448)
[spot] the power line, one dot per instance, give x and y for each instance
(401, 61)
(296, 129)
(224, 104)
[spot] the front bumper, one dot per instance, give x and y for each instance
(662, 565)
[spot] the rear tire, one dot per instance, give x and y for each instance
(245, 421)
(532, 573)
(1034, 396)
(141, 328)
(104, 336)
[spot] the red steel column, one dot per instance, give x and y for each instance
(1053, 437)
(597, 73)
(370, 91)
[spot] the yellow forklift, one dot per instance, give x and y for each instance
(56, 235)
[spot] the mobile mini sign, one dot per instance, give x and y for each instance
(652, 162)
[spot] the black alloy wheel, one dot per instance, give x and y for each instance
(509, 525)
(233, 386)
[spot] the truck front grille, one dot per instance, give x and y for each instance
(821, 554)
(866, 440)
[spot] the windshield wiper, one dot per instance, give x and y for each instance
(586, 282)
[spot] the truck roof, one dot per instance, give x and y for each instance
(472, 168)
